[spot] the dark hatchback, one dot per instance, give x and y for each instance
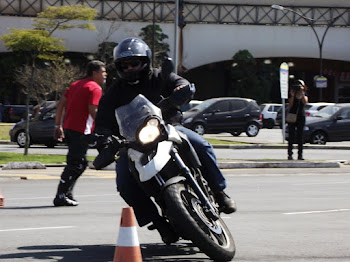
(330, 124)
(227, 114)
(41, 129)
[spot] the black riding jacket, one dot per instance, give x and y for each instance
(121, 93)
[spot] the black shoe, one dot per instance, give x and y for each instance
(62, 200)
(165, 230)
(226, 204)
(300, 158)
(290, 158)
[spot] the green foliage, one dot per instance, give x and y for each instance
(251, 79)
(35, 41)
(161, 48)
(105, 54)
(60, 18)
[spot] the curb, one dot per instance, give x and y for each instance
(248, 146)
(222, 164)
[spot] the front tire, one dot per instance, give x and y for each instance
(236, 133)
(188, 218)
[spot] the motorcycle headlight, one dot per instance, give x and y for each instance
(149, 132)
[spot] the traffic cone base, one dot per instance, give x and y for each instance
(127, 254)
(128, 246)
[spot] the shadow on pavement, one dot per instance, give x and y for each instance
(105, 253)
(31, 207)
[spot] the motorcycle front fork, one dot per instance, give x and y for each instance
(209, 210)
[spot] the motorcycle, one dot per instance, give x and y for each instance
(168, 169)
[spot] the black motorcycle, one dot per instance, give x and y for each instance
(168, 169)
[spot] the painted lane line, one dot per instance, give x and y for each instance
(34, 228)
(317, 211)
(49, 197)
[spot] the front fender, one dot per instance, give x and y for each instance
(173, 180)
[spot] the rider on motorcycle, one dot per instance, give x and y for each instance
(132, 58)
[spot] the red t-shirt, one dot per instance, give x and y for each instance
(80, 95)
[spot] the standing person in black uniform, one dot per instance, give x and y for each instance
(297, 101)
(132, 58)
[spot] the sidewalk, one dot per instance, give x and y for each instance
(228, 164)
(266, 139)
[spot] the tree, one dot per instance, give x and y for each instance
(39, 44)
(105, 54)
(251, 79)
(50, 81)
(161, 48)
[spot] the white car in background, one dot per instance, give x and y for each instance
(269, 114)
(312, 108)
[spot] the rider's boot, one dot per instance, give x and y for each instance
(226, 204)
(165, 230)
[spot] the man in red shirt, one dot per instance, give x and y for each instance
(78, 107)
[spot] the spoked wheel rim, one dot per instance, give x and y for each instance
(21, 139)
(252, 130)
(211, 228)
(319, 139)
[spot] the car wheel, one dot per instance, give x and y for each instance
(236, 133)
(252, 129)
(51, 144)
(199, 128)
(270, 123)
(319, 138)
(21, 138)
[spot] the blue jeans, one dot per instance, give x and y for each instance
(144, 208)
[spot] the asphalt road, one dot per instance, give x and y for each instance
(283, 215)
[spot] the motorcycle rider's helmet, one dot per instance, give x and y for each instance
(131, 50)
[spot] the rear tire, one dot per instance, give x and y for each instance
(188, 218)
(270, 123)
(199, 128)
(252, 130)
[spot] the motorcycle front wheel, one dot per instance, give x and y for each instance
(186, 214)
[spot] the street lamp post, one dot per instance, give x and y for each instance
(310, 21)
(176, 41)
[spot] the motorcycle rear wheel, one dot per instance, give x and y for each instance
(187, 216)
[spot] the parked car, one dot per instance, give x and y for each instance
(41, 129)
(330, 124)
(190, 105)
(269, 114)
(15, 113)
(312, 108)
(226, 114)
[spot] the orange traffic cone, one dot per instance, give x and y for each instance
(128, 246)
(2, 200)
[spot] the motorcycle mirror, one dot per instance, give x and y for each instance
(167, 67)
